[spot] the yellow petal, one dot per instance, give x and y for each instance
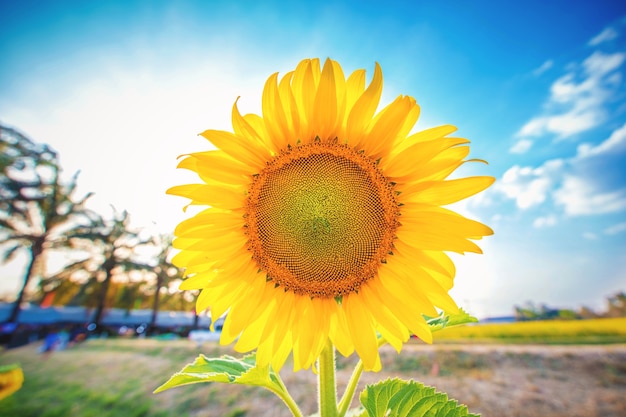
(240, 149)
(232, 240)
(216, 166)
(411, 119)
(212, 194)
(303, 86)
(211, 217)
(355, 85)
(436, 261)
(425, 136)
(222, 298)
(251, 336)
(284, 317)
(256, 137)
(386, 128)
(206, 230)
(442, 165)
(428, 219)
(410, 161)
(240, 313)
(304, 334)
(325, 107)
(441, 193)
(339, 331)
(363, 110)
(390, 327)
(292, 132)
(399, 282)
(197, 282)
(273, 145)
(360, 325)
(435, 241)
(274, 351)
(406, 312)
(340, 88)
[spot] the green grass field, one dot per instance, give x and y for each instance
(112, 377)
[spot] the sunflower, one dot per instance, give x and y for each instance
(11, 380)
(323, 220)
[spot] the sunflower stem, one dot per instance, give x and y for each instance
(346, 399)
(327, 385)
(344, 404)
(284, 395)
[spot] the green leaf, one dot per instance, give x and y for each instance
(447, 320)
(225, 369)
(398, 398)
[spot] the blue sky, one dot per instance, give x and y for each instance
(120, 88)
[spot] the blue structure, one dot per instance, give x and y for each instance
(113, 318)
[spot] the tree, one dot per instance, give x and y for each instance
(165, 273)
(543, 312)
(36, 208)
(114, 244)
(616, 305)
(130, 294)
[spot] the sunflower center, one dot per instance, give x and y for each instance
(320, 218)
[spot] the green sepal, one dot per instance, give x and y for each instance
(447, 320)
(225, 369)
(398, 398)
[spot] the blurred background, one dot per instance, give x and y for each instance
(98, 99)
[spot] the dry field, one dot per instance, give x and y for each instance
(116, 377)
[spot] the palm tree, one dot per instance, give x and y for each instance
(165, 273)
(115, 244)
(36, 208)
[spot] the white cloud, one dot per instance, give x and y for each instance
(615, 229)
(589, 183)
(590, 236)
(521, 146)
(616, 143)
(543, 68)
(564, 125)
(578, 99)
(546, 221)
(528, 186)
(599, 64)
(578, 196)
(606, 35)
(534, 127)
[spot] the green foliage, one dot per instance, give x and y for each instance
(225, 369)
(448, 320)
(398, 398)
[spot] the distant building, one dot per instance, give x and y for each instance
(500, 319)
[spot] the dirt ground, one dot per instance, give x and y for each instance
(501, 380)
